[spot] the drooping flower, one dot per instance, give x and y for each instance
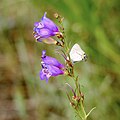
(50, 67)
(45, 29)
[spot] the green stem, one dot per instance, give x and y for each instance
(81, 112)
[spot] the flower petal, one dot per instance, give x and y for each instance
(49, 23)
(43, 33)
(54, 70)
(42, 75)
(43, 53)
(51, 61)
(38, 25)
(45, 74)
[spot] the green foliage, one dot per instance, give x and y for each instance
(95, 25)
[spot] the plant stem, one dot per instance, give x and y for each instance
(81, 111)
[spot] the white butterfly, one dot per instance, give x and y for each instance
(77, 54)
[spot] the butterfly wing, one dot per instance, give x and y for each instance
(77, 54)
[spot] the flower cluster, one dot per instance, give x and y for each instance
(43, 32)
(47, 31)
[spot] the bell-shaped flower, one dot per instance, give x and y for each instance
(45, 29)
(50, 67)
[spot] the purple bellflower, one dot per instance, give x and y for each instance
(50, 67)
(45, 29)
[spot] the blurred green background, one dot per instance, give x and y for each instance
(95, 25)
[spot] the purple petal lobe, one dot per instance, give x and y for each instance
(38, 25)
(49, 23)
(45, 73)
(43, 33)
(55, 70)
(52, 61)
(42, 75)
(43, 53)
